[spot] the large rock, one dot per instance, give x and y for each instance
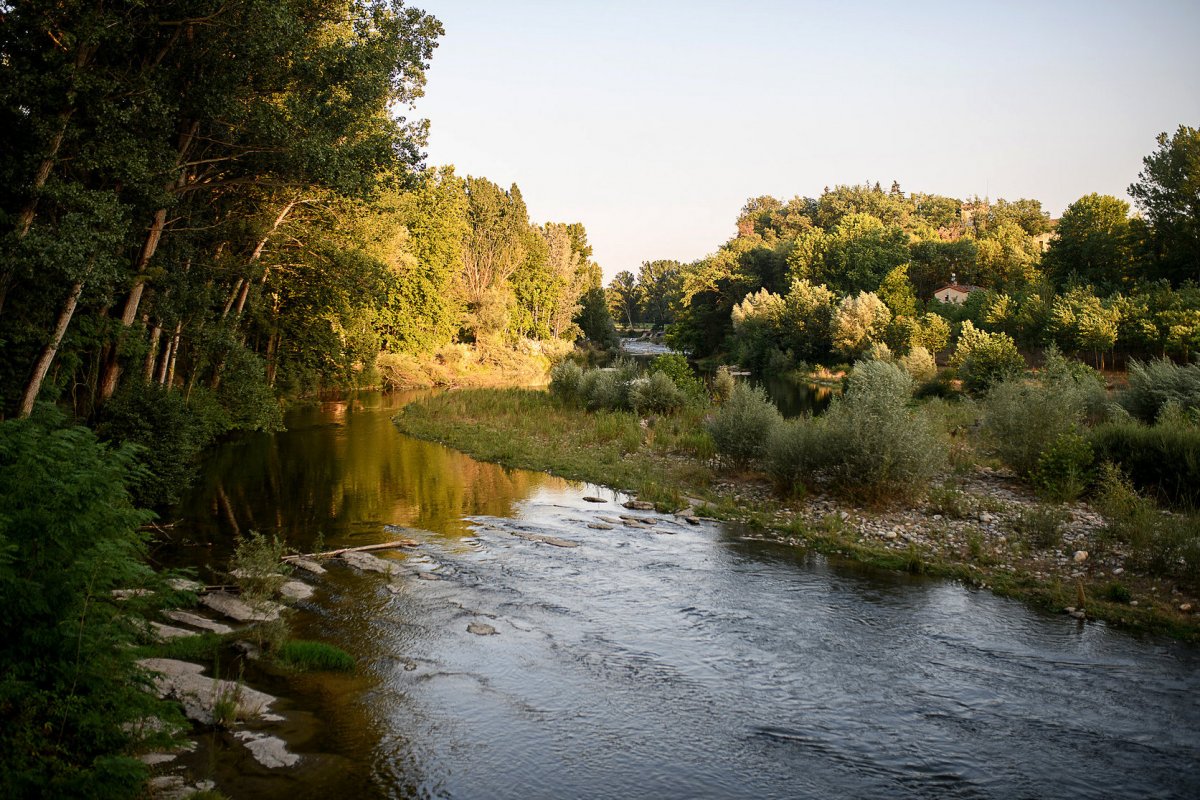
(308, 565)
(163, 633)
(295, 591)
(199, 695)
(197, 621)
(239, 610)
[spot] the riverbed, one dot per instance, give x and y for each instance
(660, 660)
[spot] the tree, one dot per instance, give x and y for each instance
(623, 297)
(859, 322)
(594, 320)
(860, 252)
(1168, 193)
(660, 291)
(1094, 244)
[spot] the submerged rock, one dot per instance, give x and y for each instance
(307, 565)
(481, 629)
(544, 539)
(239, 610)
(590, 499)
(270, 751)
(369, 563)
(201, 696)
(639, 505)
(600, 526)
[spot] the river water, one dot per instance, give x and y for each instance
(669, 662)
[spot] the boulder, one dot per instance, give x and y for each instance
(197, 621)
(369, 563)
(237, 609)
(199, 695)
(295, 591)
(270, 751)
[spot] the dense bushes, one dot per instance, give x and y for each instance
(69, 690)
(1162, 459)
(868, 445)
(984, 359)
(668, 386)
(1165, 544)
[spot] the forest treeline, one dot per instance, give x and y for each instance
(216, 200)
(823, 280)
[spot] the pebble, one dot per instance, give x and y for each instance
(1080, 556)
(1185, 607)
(1118, 571)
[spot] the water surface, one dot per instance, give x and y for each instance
(673, 662)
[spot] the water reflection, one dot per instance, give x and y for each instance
(343, 472)
(796, 397)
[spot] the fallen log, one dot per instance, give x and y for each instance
(361, 549)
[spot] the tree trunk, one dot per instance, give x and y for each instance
(257, 253)
(152, 352)
(42, 366)
(174, 354)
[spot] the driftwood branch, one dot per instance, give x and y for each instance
(364, 548)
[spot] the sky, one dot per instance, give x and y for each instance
(653, 122)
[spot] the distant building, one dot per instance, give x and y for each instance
(954, 292)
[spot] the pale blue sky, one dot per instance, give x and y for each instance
(652, 122)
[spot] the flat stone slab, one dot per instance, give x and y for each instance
(639, 505)
(590, 499)
(185, 683)
(544, 539)
(639, 520)
(270, 751)
(163, 633)
(238, 609)
(481, 629)
(600, 526)
(369, 563)
(184, 585)
(197, 621)
(296, 590)
(308, 565)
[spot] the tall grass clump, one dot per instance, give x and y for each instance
(307, 656)
(743, 425)
(869, 445)
(1154, 384)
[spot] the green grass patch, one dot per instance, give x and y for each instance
(203, 648)
(306, 656)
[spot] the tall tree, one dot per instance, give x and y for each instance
(1168, 193)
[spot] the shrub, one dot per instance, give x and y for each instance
(1063, 468)
(1024, 419)
(876, 447)
(70, 692)
(1041, 526)
(918, 363)
(878, 351)
(723, 384)
(306, 656)
(656, 394)
(868, 445)
(677, 368)
(743, 425)
(1154, 384)
(565, 378)
(1162, 459)
(984, 359)
(606, 389)
(1163, 543)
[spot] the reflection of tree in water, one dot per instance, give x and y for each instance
(345, 472)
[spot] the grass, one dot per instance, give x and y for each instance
(306, 656)
(202, 648)
(531, 430)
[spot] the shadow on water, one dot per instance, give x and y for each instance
(663, 660)
(795, 396)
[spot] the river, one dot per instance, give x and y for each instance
(664, 662)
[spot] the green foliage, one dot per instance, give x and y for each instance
(677, 368)
(69, 688)
(565, 378)
(1164, 543)
(984, 359)
(723, 385)
(595, 321)
(1022, 420)
(743, 425)
(1063, 468)
(869, 445)
(918, 363)
(1166, 191)
(1155, 384)
(306, 656)
(656, 394)
(1116, 592)
(1162, 459)
(1094, 243)
(859, 322)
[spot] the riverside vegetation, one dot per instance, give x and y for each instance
(1042, 485)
